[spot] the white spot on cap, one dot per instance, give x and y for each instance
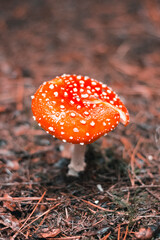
(65, 94)
(43, 94)
(39, 124)
(32, 97)
(73, 114)
(75, 130)
(51, 128)
(70, 137)
(97, 88)
(55, 94)
(78, 99)
(104, 124)
(87, 134)
(81, 143)
(81, 82)
(71, 102)
(44, 83)
(86, 77)
(111, 102)
(109, 91)
(51, 86)
(83, 121)
(62, 133)
(79, 106)
(95, 94)
(88, 87)
(34, 118)
(92, 123)
(62, 106)
(61, 123)
(104, 85)
(64, 140)
(86, 113)
(75, 90)
(79, 77)
(93, 83)
(88, 91)
(81, 90)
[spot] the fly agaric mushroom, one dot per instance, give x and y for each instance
(77, 110)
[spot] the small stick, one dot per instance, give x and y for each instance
(68, 238)
(96, 206)
(126, 233)
(106, 237)
(119, 232)
(19, 199)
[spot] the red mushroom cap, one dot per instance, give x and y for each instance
(77, 109)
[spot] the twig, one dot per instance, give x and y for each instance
(96, 206)
(19, 199)
(106, 237)
(119, 232)
(68, 238)
(126, 233)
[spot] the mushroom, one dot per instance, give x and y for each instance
(77, 110)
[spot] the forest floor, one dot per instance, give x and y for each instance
(118, 195)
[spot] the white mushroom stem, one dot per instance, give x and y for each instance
(77, 163)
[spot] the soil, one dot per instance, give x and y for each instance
(118, 195)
